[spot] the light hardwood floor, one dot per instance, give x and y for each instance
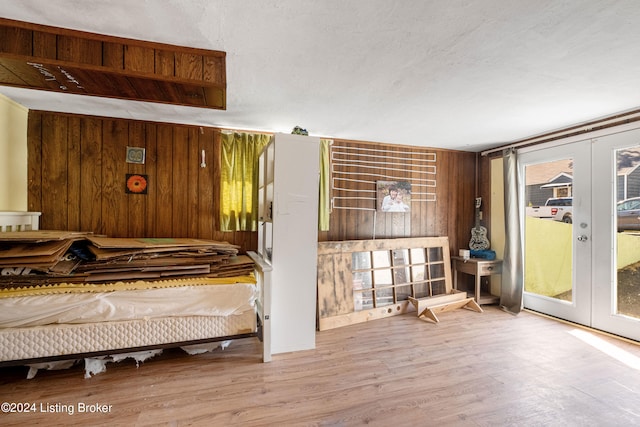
(471, 369)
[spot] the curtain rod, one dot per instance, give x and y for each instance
(585, 128)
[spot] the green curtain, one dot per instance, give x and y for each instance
(239, 180)
(324, 205)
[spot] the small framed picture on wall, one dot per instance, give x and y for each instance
(136, 155)
(136, 184)
(393, 196)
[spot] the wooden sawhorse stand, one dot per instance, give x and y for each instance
(428, 307)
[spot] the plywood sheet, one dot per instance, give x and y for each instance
(335, 287)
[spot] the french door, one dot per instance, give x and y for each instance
(616, 286)
(557, 252)
(586, 269)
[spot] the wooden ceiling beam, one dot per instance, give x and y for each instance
(61, 60)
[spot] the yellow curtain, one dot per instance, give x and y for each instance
(239, 180)
(324, 205)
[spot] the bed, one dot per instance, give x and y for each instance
(19, 221)
(71, 321)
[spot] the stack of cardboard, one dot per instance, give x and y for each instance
(122, 259)
(38, 257)
(26, 252)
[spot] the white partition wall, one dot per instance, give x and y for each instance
(288, 237)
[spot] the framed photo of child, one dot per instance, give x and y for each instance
(393, 196)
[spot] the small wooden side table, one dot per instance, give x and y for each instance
(478, 267)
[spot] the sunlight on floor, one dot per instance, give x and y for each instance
(607, 348)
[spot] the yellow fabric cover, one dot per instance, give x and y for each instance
(65, 288)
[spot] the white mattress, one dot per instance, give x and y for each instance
(75, 308)
(55, 340)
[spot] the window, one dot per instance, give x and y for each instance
(385, 277)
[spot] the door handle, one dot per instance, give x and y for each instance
(582, 238)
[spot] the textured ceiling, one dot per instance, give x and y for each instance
(459, 74)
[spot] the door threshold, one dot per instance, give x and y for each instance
(586, 328)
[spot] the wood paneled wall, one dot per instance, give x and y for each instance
(77, 172)
(451, 214)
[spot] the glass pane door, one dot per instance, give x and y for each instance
(583, 264)
(616, 181)
(555, 199)
(627, 219)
